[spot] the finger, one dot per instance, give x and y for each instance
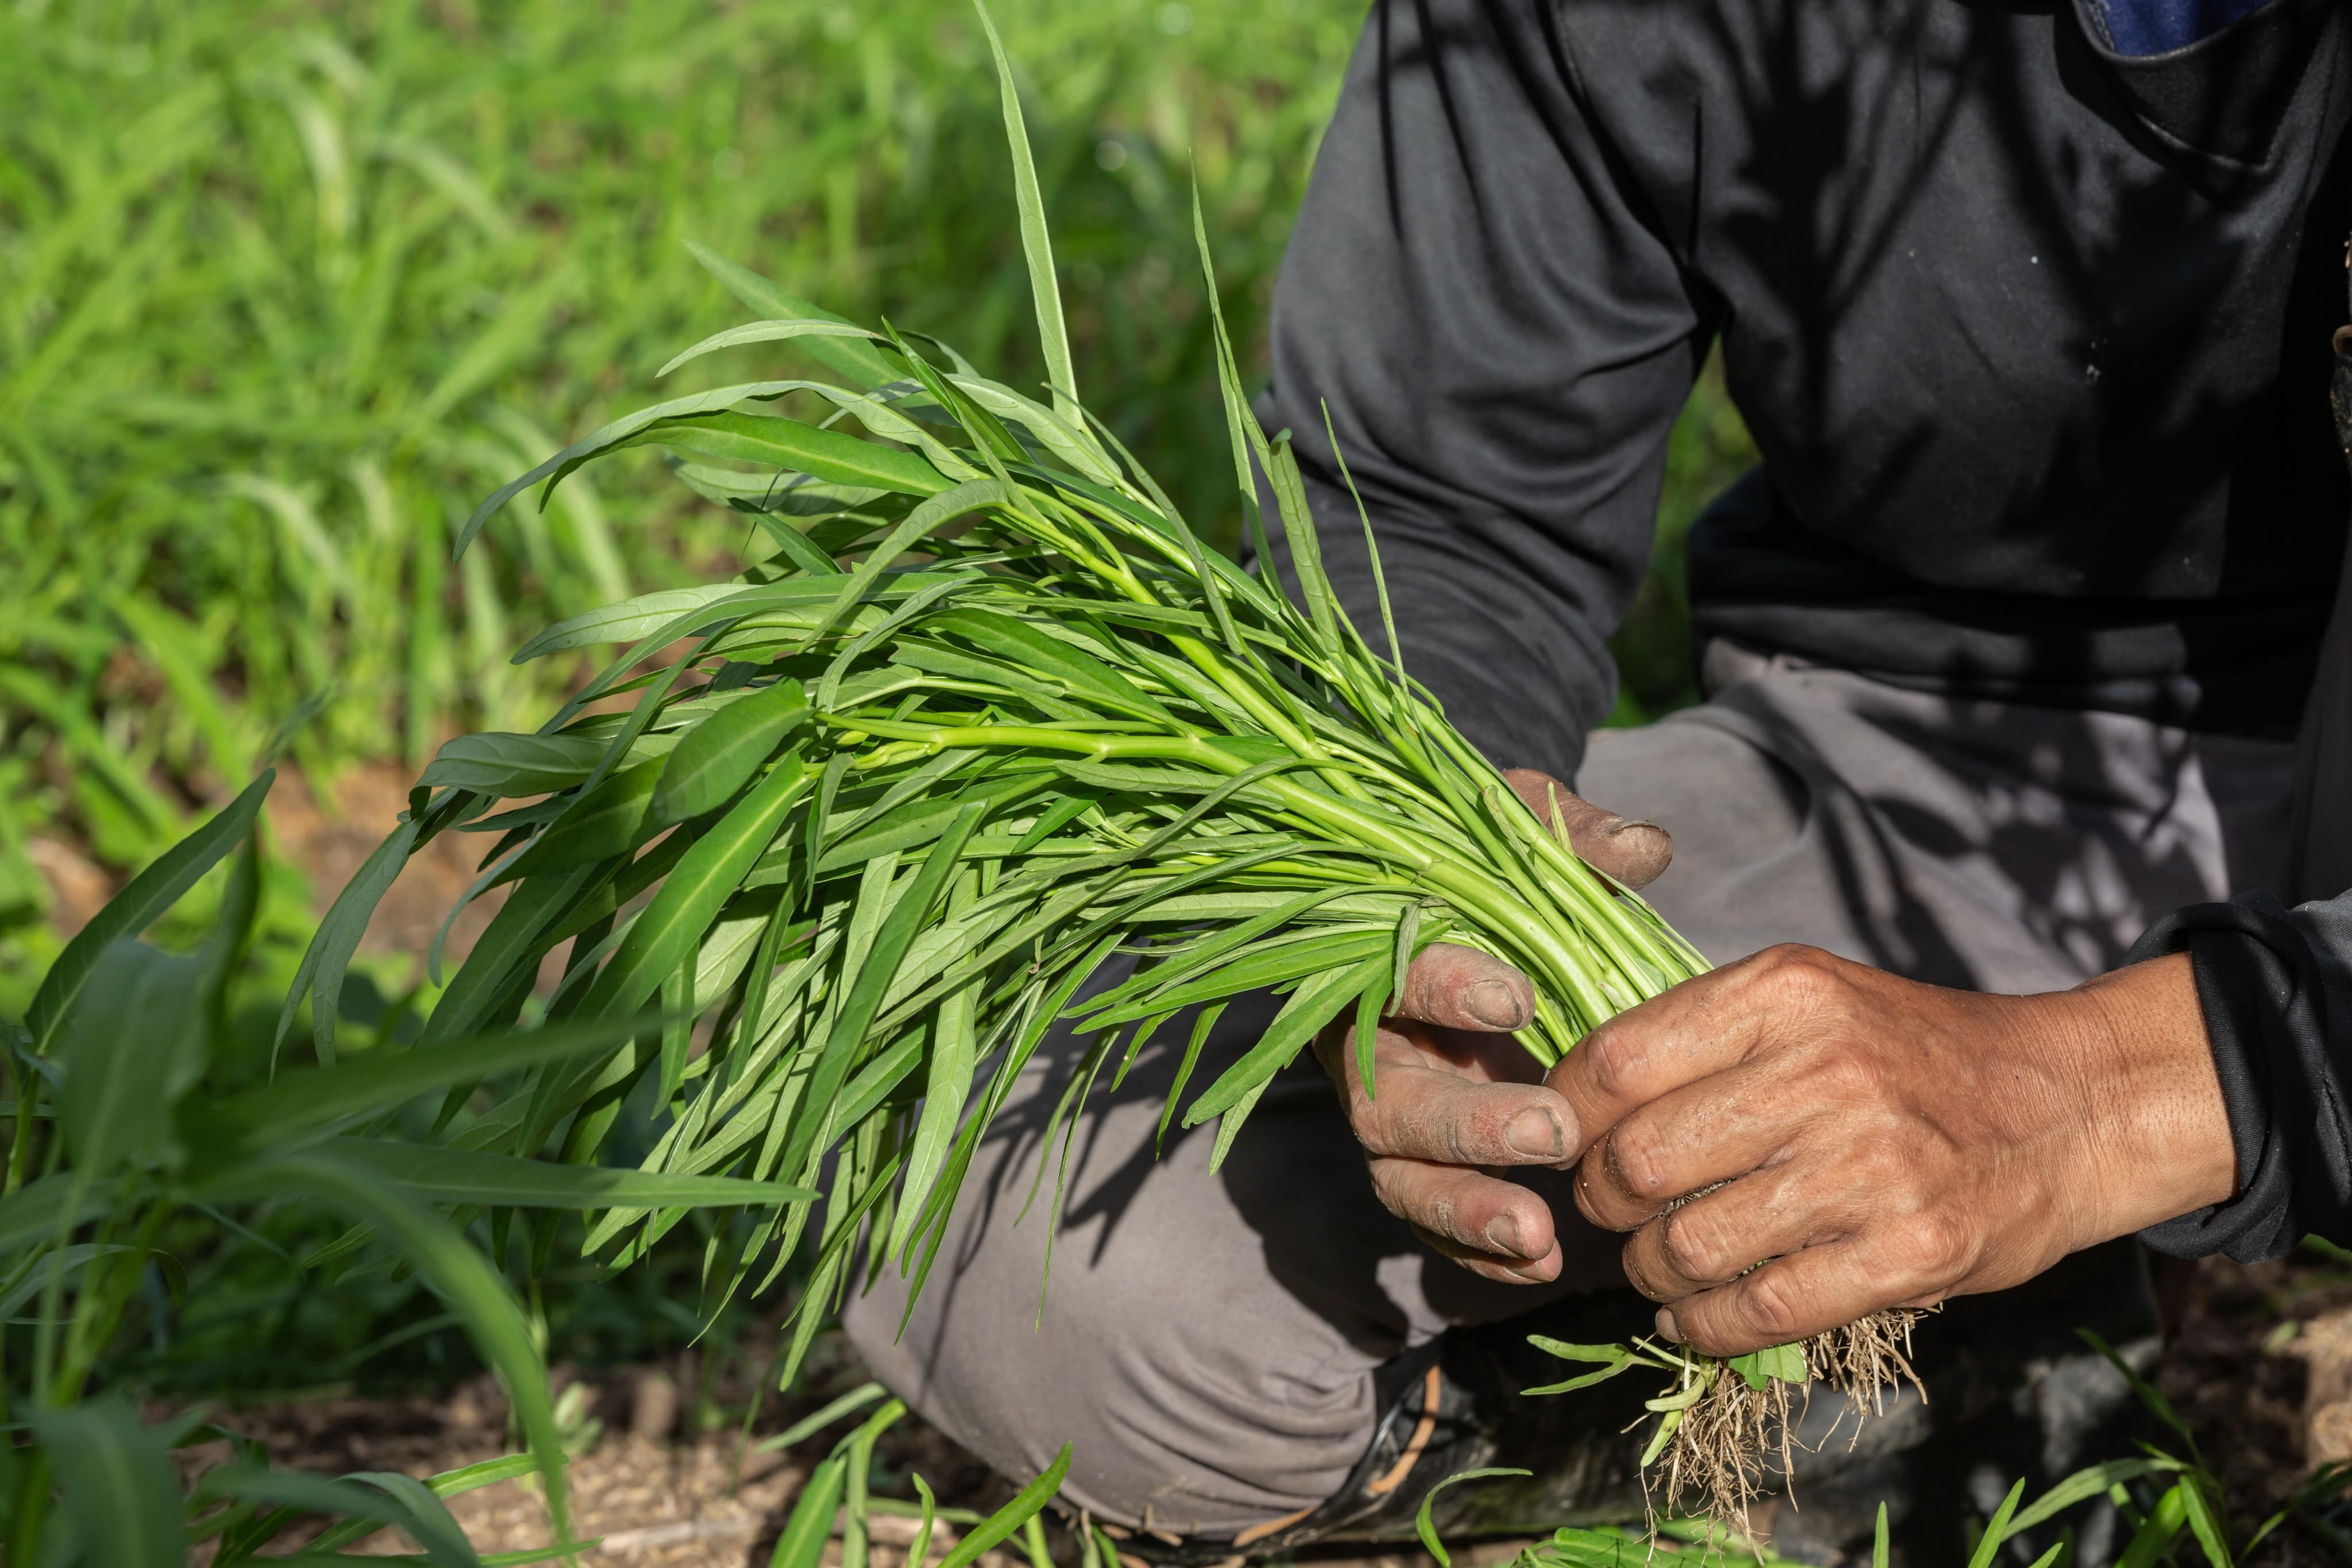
(1486, 1266)
(1471, 1216)
(1461, 988)
(1719, 1128)
(1427, 1113)
(1633, 852)
(1714, 1240)
(1796, 1297)
(1690, 1032)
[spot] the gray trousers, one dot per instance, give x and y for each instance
(1207, 1343)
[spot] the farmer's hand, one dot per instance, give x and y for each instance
(1885, 1142)
(1457, 1097)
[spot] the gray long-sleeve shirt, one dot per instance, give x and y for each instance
(2033, 339)
(2032, 335)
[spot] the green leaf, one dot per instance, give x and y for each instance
(1024, 1506)
(811, 1525)
(130, 1050)
(328, 959)
(606, 439)
(1075, 446)
(377, 1081)
(627, 621)
(1308, 1008)
(379, 1499)
(954, 1047)
(116, 1482)
(136, 907)
(817, 1420)
(1367, 1029)
(2205, 1522)
(921, 819)
(1785, 1363)
(1425, 1527)
(458, 1273)
(1031, 649)
(831, 456)
(953, 502)
(795, 545)
(771, 331)
(718, 756)
(1997, 1529)
(507, 765)
(434, 1173)
(2081, 1486)
(1274, 962)
(895, 934)
(691, 897)
(857, 361)
(505, 952)
(2158, 1404)
(44, 1208)
(2157, 1532)
(1036, 239)
(608, 820)
(1240, 422)
(1613, 1359)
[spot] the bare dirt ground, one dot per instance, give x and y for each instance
(2261, 1367)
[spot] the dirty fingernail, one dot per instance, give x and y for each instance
(1503, 1235)
(1667, 1330)
(1492, 1003)
(1536, 1133)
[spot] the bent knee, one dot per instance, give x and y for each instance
(1186, 1438)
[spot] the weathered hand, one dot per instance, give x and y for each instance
(1456, 1097)
(1882, 1143)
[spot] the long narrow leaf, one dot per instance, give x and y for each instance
(138, 905)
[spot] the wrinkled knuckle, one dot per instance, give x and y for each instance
(1940, 1246)
(1770, 1308)
(1637, 1156)
(1614, 1057)
(1796, 974)
(1846, 1073)
(1694, 1246)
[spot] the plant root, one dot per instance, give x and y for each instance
(1724, 1446)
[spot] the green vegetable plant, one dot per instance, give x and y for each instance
(985, 740)
(118, 1150)
(115, 1140)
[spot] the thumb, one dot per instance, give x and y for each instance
(1633, 852)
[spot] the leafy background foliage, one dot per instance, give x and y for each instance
(284, 291)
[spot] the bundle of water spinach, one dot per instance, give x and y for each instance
(986, 713)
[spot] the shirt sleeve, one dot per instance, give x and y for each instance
(2276, 985)
(1503, 336)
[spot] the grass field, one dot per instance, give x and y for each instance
(285, 289)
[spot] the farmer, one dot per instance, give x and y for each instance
(2006, 646)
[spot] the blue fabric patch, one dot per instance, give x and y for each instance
(2161, 26)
